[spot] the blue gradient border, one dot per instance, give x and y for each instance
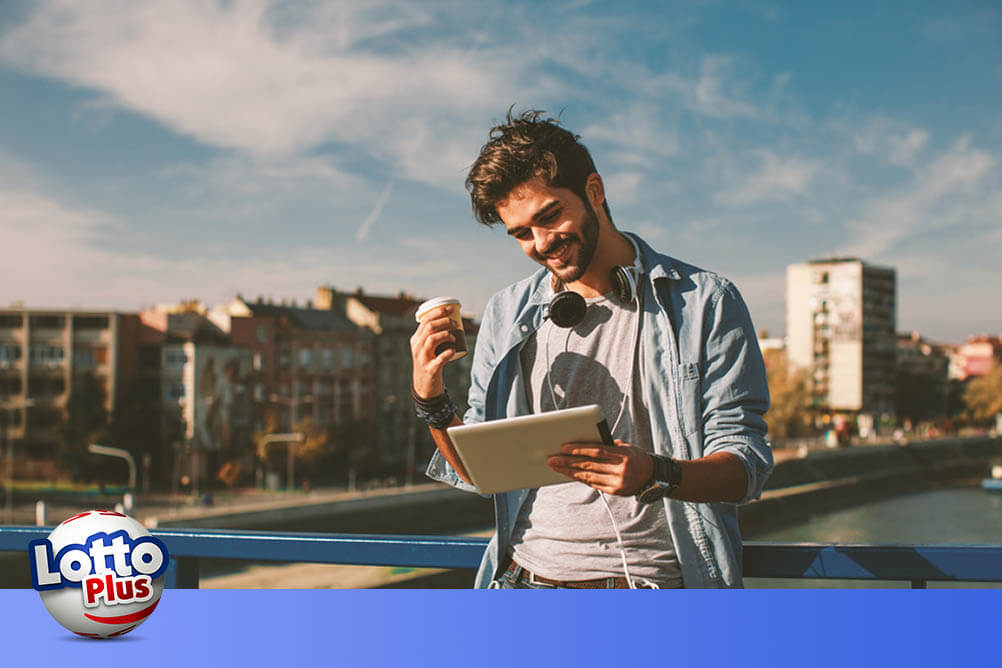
(512, 628)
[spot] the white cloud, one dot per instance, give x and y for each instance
(52, 248)
(45, 246)
(776, 178)
(639, 130)
(894, 142)
(713, 92)
(241, 76)
(944, 192)
(263, 177)
(622, 187)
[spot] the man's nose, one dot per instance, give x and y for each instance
(544, 240)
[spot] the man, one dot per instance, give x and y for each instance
(674, 365)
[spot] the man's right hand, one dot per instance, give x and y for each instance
(433, 331)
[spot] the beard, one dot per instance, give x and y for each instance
(578, 261)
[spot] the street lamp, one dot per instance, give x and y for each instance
(299, 437)
(292, 439)
(9, 487)
(122, 454)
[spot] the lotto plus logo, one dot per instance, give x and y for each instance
(99, 573)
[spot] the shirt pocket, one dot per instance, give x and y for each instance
(691, 398)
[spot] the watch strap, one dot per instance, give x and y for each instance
(665, 479)
(667, 470)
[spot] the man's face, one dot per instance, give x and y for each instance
(553, 226)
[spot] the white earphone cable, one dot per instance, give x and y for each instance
(627, 399)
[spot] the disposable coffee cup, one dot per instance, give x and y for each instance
(430, 307)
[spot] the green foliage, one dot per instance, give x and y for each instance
(138, 426)
(984, 395)
(789, 408)
(86, 422)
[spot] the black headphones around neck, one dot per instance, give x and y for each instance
(567, 308)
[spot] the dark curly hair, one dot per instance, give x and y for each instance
(525, 147)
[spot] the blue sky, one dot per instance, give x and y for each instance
(151, 152)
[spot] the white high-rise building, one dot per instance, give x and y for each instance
(840, 325)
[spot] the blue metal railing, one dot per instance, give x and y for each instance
(917, 564)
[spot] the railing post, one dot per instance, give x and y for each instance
(182, 573)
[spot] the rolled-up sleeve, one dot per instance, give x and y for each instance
(483, 364)
(735, 393)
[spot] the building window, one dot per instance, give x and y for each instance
(259, 393)
(174, 358)
(327, 356)
(258, 361)
(305, 357)
(42, 354)
(9, 354)
(262, 334)
(83, 358)
(174, 391)
(10, 321)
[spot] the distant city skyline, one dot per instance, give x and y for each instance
(151, 153)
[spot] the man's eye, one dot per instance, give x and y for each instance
(521, 236)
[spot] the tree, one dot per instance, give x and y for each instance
(86, 422)
(919, 396)
(984, 394)
(313, 450)
(138, 425)
(789, 409)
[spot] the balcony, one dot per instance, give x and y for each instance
(91, 336)
(11, 367)
(47, 336)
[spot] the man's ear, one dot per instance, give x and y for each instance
(595, 190)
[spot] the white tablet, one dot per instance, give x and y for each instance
(509, 454)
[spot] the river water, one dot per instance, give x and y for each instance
(957, 516)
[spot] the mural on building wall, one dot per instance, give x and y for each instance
(222, 400)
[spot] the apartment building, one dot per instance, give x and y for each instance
(840, 325)
(400, 437)
(305, 362)
(42, 352)
(975, 357)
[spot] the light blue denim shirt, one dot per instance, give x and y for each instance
(703, 380)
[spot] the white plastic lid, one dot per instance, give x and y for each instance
(433, 303)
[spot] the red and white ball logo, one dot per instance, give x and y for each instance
(99, 573)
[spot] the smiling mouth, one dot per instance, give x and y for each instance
(560, 256)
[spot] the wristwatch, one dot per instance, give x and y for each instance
(665, 479)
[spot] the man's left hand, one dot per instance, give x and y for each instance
(621, 469)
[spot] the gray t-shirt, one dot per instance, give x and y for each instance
(564, 531)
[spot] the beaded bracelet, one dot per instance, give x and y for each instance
(436, 412)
